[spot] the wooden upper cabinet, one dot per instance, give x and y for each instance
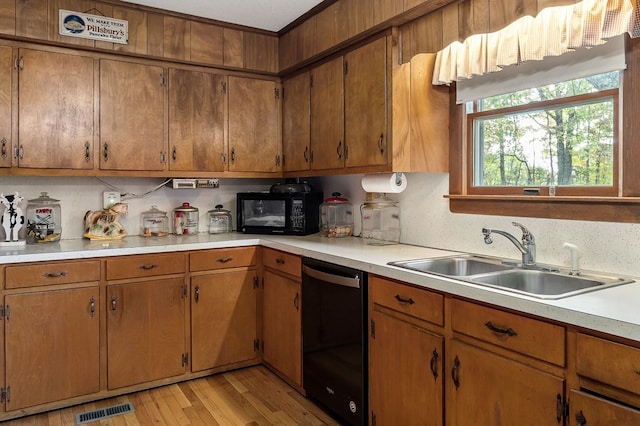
(56, 110)
(254, 125)
(132, 116)
(6, 76)
(327, 116)
(197, 110)
(365, 100)
(296, 110)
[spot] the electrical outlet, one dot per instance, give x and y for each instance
(109, 198)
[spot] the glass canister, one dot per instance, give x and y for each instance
(154, 223)
(185, 220)
(219, 220)
(43, 220)
(380, 220)
(336, 217)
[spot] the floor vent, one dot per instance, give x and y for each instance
(103, 413)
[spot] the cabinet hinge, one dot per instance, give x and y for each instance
(256, 283)
(373, 329)
(184, 291)
(277, 160)
(5, 394)
(224, 87)
(5, 311)
(276, 93)
(163, 79)
(562, 408)
(185, 359)
(256, 345)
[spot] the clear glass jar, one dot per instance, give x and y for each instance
(219, 220)
(185, 220)
(380, 221)
(154, 223)
(336, 217)
(43, 220)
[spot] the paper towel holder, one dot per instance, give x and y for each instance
(398, 178)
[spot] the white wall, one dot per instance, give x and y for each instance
(427, 221)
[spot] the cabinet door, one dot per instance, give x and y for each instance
(223, 319)
(131, 116)
(405, 373)
(327, 116)
(296, 110)
(145, 331)
(590, 410)
(365, 105)
(282, 325)
(487, 389)
(254, 129)
(56, 110)
(196, 121)
(6, 76)
(52, 346)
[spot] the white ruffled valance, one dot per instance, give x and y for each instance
(553, 32)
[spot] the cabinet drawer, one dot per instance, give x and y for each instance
(222, 258)
(416, 302)
(608, 362)
(528, 336)
(52, 273)
(284, 262)
(145, 265)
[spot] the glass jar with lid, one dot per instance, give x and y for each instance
(185, 219)
(336, 217)
(219, 220)
(154, 223)
(43, 220)
(380, 220)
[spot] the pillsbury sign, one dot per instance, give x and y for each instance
(83, 25)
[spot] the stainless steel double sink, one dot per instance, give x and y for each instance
(542, 282)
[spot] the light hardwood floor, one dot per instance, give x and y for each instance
(249, 396)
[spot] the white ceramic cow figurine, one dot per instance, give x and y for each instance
(13, 218)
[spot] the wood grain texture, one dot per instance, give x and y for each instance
(177, 38)
(326, 28)
(8, 17)
(386, 9)
(254, 396)
(106, 10)
(473, 17)
(233, 44)
(6, 99)
(155, 35)
(207, 43)
(137, 20)
(630, 123)
(32, 19)
(503, 12)
(401, 117)
(260, 52)
(296, 122)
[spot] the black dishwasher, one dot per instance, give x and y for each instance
(334, 330)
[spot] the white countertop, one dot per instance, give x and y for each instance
(613, 310)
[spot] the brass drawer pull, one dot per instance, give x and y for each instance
(507, 331)
(148, 267)
(224, 260)
(403, 300)
(55, 274)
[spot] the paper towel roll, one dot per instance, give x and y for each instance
(391, 183)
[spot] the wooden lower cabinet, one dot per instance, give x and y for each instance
(586, 409)
(52, 344)
(146, 337)
(224, 310)
(282, 325)
(484, 388)
(406, 384)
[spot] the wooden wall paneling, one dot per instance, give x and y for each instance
(326, 28)
(473, 17)
(360, 16)
(286, 50)
(260, 52)
(450, 29)
(106, 10)
(177, 38)
(32, 19)
(406, 41)
(504, 12)
(75, 5)
(155, 35)
(206, 43)
(456, 145)
(386, 9)
(137, 30)
(401, 109)
(630, 123)
(232, 47)
(427, 37)
(8, 17)
(306, 39)
(342, 22)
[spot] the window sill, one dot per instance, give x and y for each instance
(605, 209)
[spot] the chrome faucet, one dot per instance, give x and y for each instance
(527, 247)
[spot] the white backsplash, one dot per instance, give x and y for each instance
(425, 216)
(427, 221)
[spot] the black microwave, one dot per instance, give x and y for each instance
(295, 213)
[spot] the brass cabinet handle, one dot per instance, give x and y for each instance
(306, 154)
(403, 300)
(174, 154)
(339, 149)
(380, 146)
(92, 306)
(55, 274)
(196, 294)
(113, 304)
(507, 331)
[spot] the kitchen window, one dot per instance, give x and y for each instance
(556, 139)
